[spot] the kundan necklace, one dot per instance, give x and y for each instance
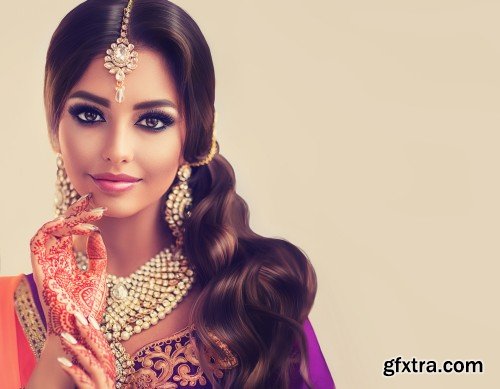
(141, 300)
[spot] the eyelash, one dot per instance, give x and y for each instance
(78, 109)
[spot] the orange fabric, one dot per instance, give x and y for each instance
(27, 359)
(9, 361)
(16, 358)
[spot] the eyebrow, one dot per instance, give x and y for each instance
(105, 102)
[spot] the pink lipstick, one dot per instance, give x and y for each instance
(114, 183)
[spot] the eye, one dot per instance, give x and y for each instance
(86, 114)
(156, 120)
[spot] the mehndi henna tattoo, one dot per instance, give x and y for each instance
(81, 379)
(93, 357)
(95, 341)
(65, 289)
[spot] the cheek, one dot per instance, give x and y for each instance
(162, 160)
(70, 138)
(76, 152)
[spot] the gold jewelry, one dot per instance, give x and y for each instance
(121, 58)
(214, 149)
(179, 200)
(66, 194)
(141, 300)
(178, 204)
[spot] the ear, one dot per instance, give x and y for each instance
(55, 144)
(182, 161)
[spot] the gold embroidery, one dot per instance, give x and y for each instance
(171, 363)
(229, 361)
(168, 363)
(29, 317)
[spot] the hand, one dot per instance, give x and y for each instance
(66, 290)
(94, 366)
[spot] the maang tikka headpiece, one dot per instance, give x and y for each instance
(121, 58)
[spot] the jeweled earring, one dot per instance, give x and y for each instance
(179, 200)
(178, 203)
(65, 192)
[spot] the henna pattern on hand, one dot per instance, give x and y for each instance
(93, 356)
(95, 341)
(65, 288)
(81, 379)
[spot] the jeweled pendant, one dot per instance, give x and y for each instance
(119, 291)
(120, 93)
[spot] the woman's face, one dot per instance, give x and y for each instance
(141, 137)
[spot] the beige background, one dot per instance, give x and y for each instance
(365, 132)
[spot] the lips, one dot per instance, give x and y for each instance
(114, 183)
(115, 177)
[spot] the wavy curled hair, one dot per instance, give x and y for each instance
(256, 291)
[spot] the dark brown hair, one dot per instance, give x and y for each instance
(256, 291)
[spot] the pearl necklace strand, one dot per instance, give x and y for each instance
(141, 300)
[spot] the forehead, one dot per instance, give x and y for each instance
(151, 80)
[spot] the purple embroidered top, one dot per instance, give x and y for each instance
(171, 362)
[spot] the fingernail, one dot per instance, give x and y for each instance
(99, 209)
(90, 226)
(94, 323)
(69, 337)
(64, 361)
(81, 319)
(87, 196)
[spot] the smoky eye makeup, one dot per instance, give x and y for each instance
(154, 120)
(154, 117)
(86, 114)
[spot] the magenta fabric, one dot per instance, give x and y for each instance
(318, 369)
(319, 373)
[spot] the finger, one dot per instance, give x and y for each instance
(96, 253)
(60, 254)
(64, 226)
(50, 227)
(84, 229)
(42, 235)
(79, 205)
(81, 379)
(56, 236)
(85, 358)
(94, 339)
(41, 243)
(53, 238)
(69, 223)
(53, 225)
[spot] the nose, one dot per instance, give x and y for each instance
(118, 145)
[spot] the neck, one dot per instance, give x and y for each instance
(132, 241)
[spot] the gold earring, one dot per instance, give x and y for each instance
(65, 192)
(179, 200)
(178, 204)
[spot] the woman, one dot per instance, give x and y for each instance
(150, 276)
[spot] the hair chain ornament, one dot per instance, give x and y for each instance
(121, 58)
(213, 149)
